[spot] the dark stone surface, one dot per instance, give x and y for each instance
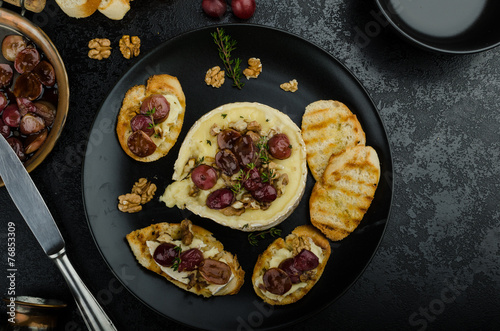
(438, 264)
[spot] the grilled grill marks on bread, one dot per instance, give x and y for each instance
(138, 238)
(157, 84)
(294, 242)
(328, 127)
(339, 201)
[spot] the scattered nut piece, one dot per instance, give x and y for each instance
(100, 48)
(215, 77)
(291, 86)
(254, 68)
(254, 126)
(130, 46)
(239, 125)
(214, 130)
(130, 203)
(143, 191)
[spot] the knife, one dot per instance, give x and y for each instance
(34, 210)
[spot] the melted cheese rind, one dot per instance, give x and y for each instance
(281, 255)
(196, 146)
(183, 276)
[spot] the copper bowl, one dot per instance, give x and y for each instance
(12, 23)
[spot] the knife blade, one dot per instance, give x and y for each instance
(27, 199)
(33, 209)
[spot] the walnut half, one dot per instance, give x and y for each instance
(143, 191)
(130, 46)
(291, 86)
(100, 48)
(215, 77)
(254, 68)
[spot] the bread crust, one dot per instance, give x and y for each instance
(291, 243)
(84, 10)
(137, 242)
(114, 9)
(332, 119)
(340, 200)
(157, 84)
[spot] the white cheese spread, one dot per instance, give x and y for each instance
(183, 276)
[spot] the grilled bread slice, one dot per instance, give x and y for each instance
(186, 235)
(166, 132)
(328, 127)
(340, 200)
(304, 237)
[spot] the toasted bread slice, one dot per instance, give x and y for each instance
(303, 237)
(168, 131)
(340, 200)
(328, 127)
(114, 9)
(78, 8)
(202, 239)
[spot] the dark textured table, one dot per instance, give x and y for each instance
(438, 265)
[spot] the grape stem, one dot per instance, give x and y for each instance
(226, 45)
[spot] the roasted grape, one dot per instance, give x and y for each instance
(227, 138)
(204, 177)
(144, 123)
(279, 146)
(157, 106)
(190, 259)
(305, 260)
(227, 162)
(165, 254)
(277, 281)
(220, 199)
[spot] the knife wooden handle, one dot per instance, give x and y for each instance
(92, 313)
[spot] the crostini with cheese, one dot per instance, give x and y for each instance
(287, 270)
(189, 257)
(151, 117)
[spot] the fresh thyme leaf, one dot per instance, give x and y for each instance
(151, 111)
(209, 142)
(177, 261)
(156, 135)
(236, 188)
(223, 115)
(226, 45)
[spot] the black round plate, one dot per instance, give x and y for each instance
(447, 26)
(108, 172)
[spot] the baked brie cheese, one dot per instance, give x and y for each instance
(242, 165)
(287, 270)
(189, 257)
(151, 118)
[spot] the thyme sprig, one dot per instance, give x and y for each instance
(253, 238)
(226, 45)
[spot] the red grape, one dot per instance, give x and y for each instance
(305, 260)
(243, 9)
(190, 259)
(220, 199)
(165, 254)
(214, 8)
(11, 116)
(4, 129)
(204, 177)
(279, 146)
(277, 281)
